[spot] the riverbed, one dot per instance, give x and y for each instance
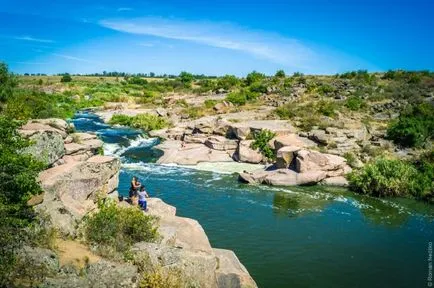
(286, 237)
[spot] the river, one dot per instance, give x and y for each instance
(286, 237)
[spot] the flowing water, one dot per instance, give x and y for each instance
(286, 237)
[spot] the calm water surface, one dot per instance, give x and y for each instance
(297, 237)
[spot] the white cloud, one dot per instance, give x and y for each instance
(269, 46)
(32, 39)
(121, 9)
(73, 58)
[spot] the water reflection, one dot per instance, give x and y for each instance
(297, 204)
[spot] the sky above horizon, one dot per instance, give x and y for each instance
(216, 38)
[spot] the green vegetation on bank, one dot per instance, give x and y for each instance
(261, 141)
(414, 127)
(113, 229)
(144, 121)
(393, 177)
(19, 225)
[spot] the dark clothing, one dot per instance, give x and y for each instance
(133, 191)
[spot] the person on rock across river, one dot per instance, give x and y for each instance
(142, 198)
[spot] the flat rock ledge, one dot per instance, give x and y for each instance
(185, 246)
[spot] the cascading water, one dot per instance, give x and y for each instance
(298, 237)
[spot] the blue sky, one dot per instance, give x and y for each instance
(218, 37)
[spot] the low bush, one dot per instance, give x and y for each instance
(355, 103)
(149, 122)
(237, 98)
(326, 108)
(144, 121)
(260, 142)
(66, 78)
(391, 177)
(119, 227)
(119, 119)
(414, 127)
(210, 103)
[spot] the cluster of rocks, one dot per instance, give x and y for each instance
(297, 162)
(185, 247)
(339, 141)
(215, 140)
(76, 174)
(76, 178)
(298, 166)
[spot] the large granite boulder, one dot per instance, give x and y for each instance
(197, 268)
(340, 181)
(282, 177)
(292, 140)
(243, 130)
(221, 143)
(230, 271)
(333, 165)
(47, 147)
(245, 153)
(285, 156)
(190, 153)
(71, 189)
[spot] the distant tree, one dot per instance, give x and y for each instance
(7, 82)
(66, 78)
(186, 78)
(152, 74)
(254, 77)
(227, 82)
(280, 74)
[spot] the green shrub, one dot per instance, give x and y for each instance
(254, 77)
(210, 103)
(237, 98)
(280, 74)
(260, 142)
(119, 119)
(258, 87)
(390, 177)
(144, 121)
(227, 82)
(351, 159)
(66, 78)
(355, 103)
(326, 108)
(149, 122)
(119, 227)
(414, 127)
(7, 83)
(34, 104)
(325, 89)
(186, 78)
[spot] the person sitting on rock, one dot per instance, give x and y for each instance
(142, 198)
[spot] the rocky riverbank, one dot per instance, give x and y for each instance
(76, 177)
(298, 160)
